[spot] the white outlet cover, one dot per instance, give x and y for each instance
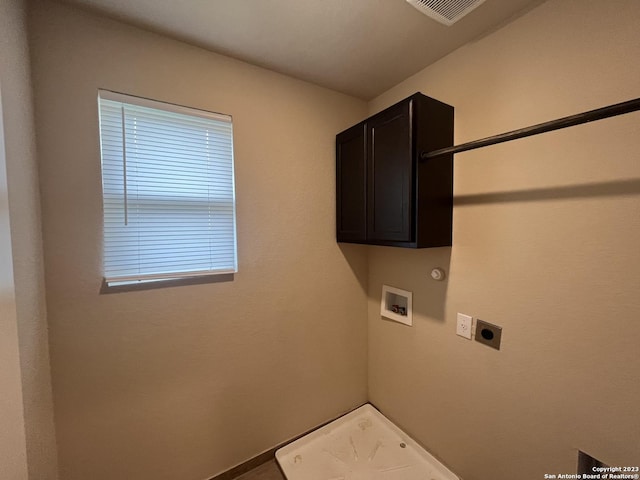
(463, 325)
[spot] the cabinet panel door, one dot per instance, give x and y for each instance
(351, 184)
(390, 171)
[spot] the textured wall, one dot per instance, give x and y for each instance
(188, 381)
(23, 212)
(546, 244)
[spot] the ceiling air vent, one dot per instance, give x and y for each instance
(446, 11)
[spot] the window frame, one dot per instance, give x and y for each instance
(166, 278)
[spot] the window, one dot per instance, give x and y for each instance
(168, 191)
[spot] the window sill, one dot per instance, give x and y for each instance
(168, 283)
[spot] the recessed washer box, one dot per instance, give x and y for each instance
(360, 445)
(396, 304)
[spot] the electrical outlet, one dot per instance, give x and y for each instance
(488, 334)
(463, 326)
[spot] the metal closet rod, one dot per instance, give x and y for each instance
(584, 117)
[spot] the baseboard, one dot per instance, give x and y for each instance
(270, 454)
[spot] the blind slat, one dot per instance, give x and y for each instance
(175, 215)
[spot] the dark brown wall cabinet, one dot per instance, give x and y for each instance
(386, 195)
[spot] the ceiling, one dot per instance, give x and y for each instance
(358, 47)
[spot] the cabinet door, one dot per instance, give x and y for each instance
(351, 185)
(390, 171)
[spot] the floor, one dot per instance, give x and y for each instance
(266, 471)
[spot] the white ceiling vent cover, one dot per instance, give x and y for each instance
(446, 11)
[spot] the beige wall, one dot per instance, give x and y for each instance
(23, 292)
(546, 244)
(186, 382)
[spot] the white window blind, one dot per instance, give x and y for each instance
(168, 190)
